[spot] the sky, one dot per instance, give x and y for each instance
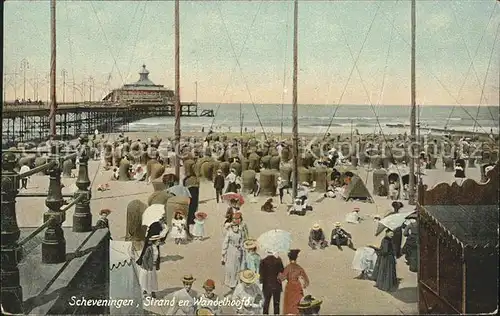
(241, 51)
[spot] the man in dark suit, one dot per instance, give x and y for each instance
(219, 183)
(269, 269)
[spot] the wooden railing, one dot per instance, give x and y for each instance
(54, 243)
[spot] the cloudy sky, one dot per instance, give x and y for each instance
(241, 51)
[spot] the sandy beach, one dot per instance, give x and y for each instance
(329, 270)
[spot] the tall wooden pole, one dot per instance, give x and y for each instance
(411, 184)
(53, 102)
(177, 92)
(295, 124)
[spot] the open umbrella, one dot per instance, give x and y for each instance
(392, 222)
(152, 214)
(179, 190)
(275, 240)
(233, 196)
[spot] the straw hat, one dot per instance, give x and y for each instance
(155, 237)
(105, 211)
(248, 276)
(308, 301)
(188, 278)
(250, 244)
(316, 227)
(204, 312)
(337, 224)
(209, 284)
(201, 215)
(233, 170)
(356, 209)
(306, 184)
(397, 204)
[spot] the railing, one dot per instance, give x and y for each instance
(54, 243)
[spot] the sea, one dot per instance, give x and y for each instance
(322, 119)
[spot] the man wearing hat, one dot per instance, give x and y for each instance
(219, 183)
(103, 221)
(270, 267)
(317, 238)
(341, 238)
(248, 292)
(184, 298)
(208, 299)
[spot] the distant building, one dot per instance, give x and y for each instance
(142, 92)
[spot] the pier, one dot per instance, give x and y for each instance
(30, 121)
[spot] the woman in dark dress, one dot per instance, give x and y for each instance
(397, 239)
(384, 271)
(410, 249)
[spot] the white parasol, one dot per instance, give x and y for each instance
(152, 214)
(392, 222)
(275, 240)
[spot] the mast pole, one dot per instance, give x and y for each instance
(411, 184)
(177, 92)
(53, 95)
(241, 121)
(196, 92)
(295, 127)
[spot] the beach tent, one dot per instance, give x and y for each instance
(123, 279)
(357, 190)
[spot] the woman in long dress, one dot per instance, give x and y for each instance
(297, 282)
(384, 272)
(232, 255)
(149, 263)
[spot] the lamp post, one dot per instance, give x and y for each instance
(24, 65)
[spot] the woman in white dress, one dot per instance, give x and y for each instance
(232, 255)
(249, 292)
(149, 264)
(178, 232)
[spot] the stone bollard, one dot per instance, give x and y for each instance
(54, 243)
(11, 290)
(267, 183)
(321, 178)
(449, 166)
(159, 197)
(265, 161)
(67, 168)
(158, 185)
(157, 171)
(247, 179)
(82, 217)
(274, 163)
(123, 170)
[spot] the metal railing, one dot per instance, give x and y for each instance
(53, 244)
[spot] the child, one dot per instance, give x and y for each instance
(199, 225)
(252, 258)
(179, 228)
